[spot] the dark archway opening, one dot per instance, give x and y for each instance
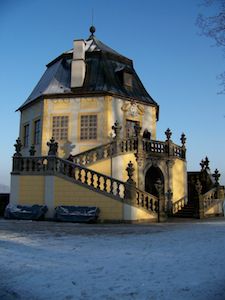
(151, 177)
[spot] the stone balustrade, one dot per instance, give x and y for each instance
(178, 205)
(120, 146)
(53, 165)
(146, 200)
(208, 199)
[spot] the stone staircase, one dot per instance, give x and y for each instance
(125, 192)
(187, 211)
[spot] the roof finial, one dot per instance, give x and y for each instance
(92, 28)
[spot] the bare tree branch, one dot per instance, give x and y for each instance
(214, 28)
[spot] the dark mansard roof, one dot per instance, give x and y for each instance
(103, 76)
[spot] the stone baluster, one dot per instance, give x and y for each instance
(105, 184)
(92, 179)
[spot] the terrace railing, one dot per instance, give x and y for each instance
(122, 146)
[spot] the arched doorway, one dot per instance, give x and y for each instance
(151, 177)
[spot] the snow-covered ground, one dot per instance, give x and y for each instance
(47, 260)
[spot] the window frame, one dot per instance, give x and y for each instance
(26, 134)
(89, 132)
(60, 136)
(37, 133)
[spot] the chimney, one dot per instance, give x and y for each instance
(78, 64)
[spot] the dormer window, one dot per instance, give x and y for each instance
(127, 79)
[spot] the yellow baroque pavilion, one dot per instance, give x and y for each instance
(88, 138)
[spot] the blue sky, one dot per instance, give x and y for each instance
(177, 66)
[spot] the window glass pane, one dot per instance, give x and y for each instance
(88, 127)
(37, 133)
(60, 127)
(26, 135)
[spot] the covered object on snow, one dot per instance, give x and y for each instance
(83, 214)
(34, 212)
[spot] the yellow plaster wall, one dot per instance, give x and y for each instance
(179, 177)
(31, 190)
(142, 215)
(67, 193)
(88, 103)
(74, 108)
(153, 125)
(217, 208)
(60, 107)
(103, 167)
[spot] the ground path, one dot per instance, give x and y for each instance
(175, 260)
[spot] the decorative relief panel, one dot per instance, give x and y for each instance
(133, 109)
(88, 103)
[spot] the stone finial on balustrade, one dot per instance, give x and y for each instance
(207, 163)
(216, 175)
(183, 140)
(117, 129)
(53, 147)
(204, 164)
(18, 146)
(32, 150)
(168, 134)
(130, 171)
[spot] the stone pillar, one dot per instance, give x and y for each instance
(169, 165)
(130, 185)
(169, 204)
(49, 196)
(52, 153)
(198, 188)
(161, 201)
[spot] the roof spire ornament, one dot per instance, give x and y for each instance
(92, 30)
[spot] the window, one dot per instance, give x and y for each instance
(130, 128)
(88, 127)
(127, 79)
(60, 127)
(37, 132)
(26, 135)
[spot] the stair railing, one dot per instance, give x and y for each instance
(146, 200)
(127, 145)
(211, 197)
(178, 205)
(52, 165)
